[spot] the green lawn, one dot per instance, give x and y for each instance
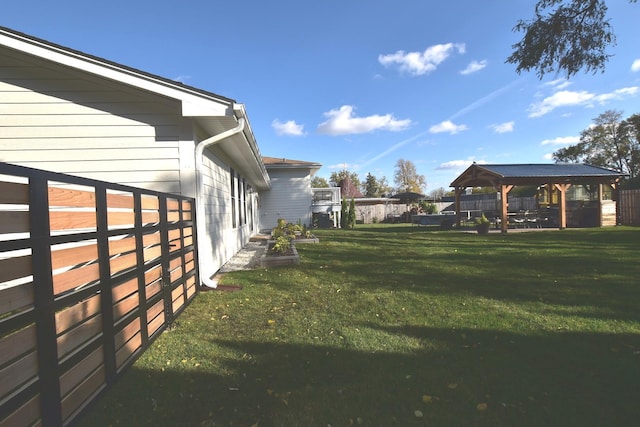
(399, 325)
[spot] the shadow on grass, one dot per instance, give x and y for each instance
(553, 380)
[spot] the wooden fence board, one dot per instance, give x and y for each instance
(629, 205)
(125, 306)
(14, 222)
(74, 227)
(118, 246)
(18, 373)
(150, 202)
(125, 289)
(63, 282)
(14, 193)
(16, 298)
(128, 332)
(81, 370)
(71, 220)
(74, 338)
(123, 262)
(73, 256)
(121, 201)
(156, 317)
(77, 313)
(125, 352)
(152, 253)
(151, 239)
(85, 391)
(15, 268)
(17, 344)
(67, 197)
(26, 415)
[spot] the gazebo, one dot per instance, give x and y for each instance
(558, 177)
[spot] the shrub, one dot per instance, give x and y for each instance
(282, 245)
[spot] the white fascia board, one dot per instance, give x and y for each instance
(252, 144)
(194, 104)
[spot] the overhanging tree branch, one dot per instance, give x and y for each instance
(565, 36)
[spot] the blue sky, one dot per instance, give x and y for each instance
(358, 84)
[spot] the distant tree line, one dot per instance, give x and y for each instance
(406, 179)
(611, 142)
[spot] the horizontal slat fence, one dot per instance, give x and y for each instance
(90, 274)
(629, 205)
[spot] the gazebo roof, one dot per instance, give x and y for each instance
(478, 175)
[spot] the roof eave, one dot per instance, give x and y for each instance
(195, 102)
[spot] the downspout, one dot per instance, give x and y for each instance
(206, 274)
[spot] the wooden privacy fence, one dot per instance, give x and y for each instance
(629, 205)
(90, 274)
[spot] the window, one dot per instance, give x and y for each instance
(234, 221)
(322, 196)
(245, 190)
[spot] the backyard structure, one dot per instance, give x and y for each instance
(596, 197)
(326, 207)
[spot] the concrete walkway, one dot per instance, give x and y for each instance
(248, 257)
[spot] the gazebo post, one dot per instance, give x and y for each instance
(504, 212)
(458, 191)
(562, 204)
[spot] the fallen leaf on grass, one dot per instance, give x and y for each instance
(417, 413)
(453, 386)
(481, 406)
(427, 399)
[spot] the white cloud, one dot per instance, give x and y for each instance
(290, 128)
(503, 127)
(473, 67)
(561, 140)
(558, 84)
(342, 166)
(559, 99)
(447, 127)
(567, 98)
(342, 122)
(548, 156)
(618, 94)
(635, 66)
(419, 63)
(459, 164)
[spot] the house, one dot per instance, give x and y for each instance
(67, 111)
(290, 196)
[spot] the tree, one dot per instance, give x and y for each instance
(352, 214)
(374, 187)
(438, 193)
(631, 127)
(319, 182)
(344, 214)
(564, 36)
(337, 177)
(407, 178)
(611, 142)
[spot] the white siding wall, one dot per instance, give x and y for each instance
(68, 122)
(289, 198)
(225, 240)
